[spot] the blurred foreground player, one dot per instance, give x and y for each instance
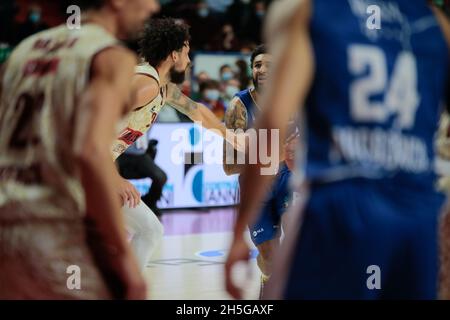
(62, 93)
(372, 106)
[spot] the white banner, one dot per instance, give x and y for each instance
(192, 159)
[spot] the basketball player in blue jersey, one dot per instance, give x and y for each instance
(241, 114)
(372, 97)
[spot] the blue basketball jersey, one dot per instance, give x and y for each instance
(377, 91)
(249, 104)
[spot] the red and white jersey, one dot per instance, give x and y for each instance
(139, 121)
(42, 85)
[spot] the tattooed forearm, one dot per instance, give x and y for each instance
(235, 118)
(179, 101)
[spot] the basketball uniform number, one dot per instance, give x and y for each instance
(24, 133)
(154, 115)
(399, 92)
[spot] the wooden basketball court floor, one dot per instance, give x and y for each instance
(189, 263)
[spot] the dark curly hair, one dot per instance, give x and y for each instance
(161, 37)
(261, 49)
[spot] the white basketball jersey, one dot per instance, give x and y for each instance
(43, 82)
(139, 121)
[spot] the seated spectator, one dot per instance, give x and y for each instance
(32, 24)
(201, 77)
(8, 10)
(219, 7)
(244, 78)
(226, 40)
(232, 87)
(204, 26)
(211, 97)
(225, 74)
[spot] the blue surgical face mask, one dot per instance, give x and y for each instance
(260, 14)
(35, 17)
(212, 95)
(203, 12)
(227, 76)
(231, 91)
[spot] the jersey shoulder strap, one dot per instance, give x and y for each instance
(147, 69)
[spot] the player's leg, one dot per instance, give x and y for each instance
(346, 229)
(417, 260)
(266, 237)
(444, 251)
(145, 229)
(266, 252)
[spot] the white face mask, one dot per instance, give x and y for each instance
(212, 95)
(231, 91)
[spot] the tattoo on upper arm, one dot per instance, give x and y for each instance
(235, 118)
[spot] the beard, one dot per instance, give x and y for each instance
(177, 77)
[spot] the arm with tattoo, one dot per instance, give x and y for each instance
(235, 118)
(199, 113)
(181, 102)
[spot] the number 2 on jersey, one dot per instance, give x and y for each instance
(25, 131)
(400, 94)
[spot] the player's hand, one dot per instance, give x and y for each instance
(239, 251)
(238, 141)
(128, 193)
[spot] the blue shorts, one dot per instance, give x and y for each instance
(268, 224)
(352, 227)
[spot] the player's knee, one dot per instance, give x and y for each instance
(266, 249)
(154, 227)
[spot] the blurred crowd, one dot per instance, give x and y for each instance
(220, 25)
(216, 25)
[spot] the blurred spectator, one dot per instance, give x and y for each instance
(204, 26)
(258, 22)
(201, 77)
(219, 9)
(226, 73)
(219, 6)
(210, 96)
(247, 47)
(232, 87)
(32, 24)
(8, 10)
(243, 75)
(226, 40)
(247, 17)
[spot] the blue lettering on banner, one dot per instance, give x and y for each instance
(221, 253)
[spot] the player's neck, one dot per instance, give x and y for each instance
(104, 18)
(255, 95)
(164, 73)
